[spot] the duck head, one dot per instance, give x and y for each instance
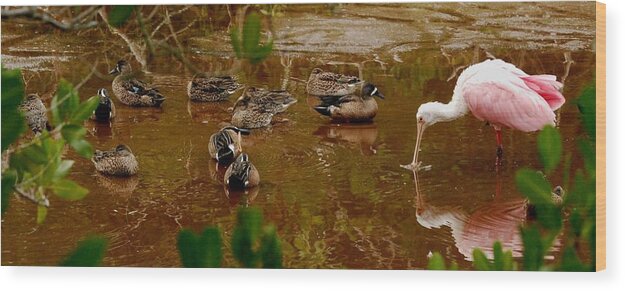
(121, 67)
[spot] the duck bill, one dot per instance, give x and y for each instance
(380, 95)
(113, 71)
(243, 131)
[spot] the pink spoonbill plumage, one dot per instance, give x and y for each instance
(499, 93)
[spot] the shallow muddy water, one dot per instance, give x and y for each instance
(335, 192)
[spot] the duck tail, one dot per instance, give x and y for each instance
(158, 99)
(48, 126)
(323, 110)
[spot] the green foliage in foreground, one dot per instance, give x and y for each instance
(573, 222)
(246, 45)
(89, 253)
(36, 166)
(252, 244)
(119, 14)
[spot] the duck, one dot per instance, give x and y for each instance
(117, 162)
(352, 108)
(557, 197)
(225, 144)
(257, 106)
(321, 83)
(203, 88)
(241, 174)
(106, 108)
(131, 91)
(35, 113)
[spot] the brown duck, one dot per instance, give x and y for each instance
(203, 88)
(117, 162)
(322, 83)
(256, 107)
(351, 108)
(131, 91)
(35, 113)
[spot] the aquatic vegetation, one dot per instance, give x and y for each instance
(575, 220)
(37, 167)
(246, 44)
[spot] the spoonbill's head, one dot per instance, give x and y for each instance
(430, 113)
(427, 115)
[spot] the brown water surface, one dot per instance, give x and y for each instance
(335, 191)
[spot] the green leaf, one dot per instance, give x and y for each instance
(480, 262)
(532, 248)
(63, 169)
(533, 185)
(69, 190)
(85, 109)
(251, 32)
(235, 40)
(119, 14)
(436, 262)
(549, 148)
(586, 103)
(64, 102)
(9, 178)
(200, 251)
(244, 236)
(13, 124)
(571, 262)
(248, 45)
(89, 253)
(74, 135)
(35, 153)
(83, 148)
(498, 257)
(42, 212)
(270, 250)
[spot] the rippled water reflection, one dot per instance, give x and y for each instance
(335, 191)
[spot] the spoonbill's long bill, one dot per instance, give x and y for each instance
(499, 93)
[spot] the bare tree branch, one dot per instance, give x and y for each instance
(33, 13)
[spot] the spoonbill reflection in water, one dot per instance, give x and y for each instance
(499, 93)
(497, 220)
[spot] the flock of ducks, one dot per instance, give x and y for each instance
(255, 108)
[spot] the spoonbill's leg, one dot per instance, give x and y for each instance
(499, 146)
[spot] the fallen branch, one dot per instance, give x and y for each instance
(32, 12)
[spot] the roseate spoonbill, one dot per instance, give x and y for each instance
(499, 93)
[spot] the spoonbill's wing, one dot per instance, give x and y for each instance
(512, 104)
(547, 87)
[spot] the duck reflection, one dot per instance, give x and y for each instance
(205, 112)
(496, 221)
(241, 197)
(101, 130)
(216, 171)
(361, 135)
(122, 186)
